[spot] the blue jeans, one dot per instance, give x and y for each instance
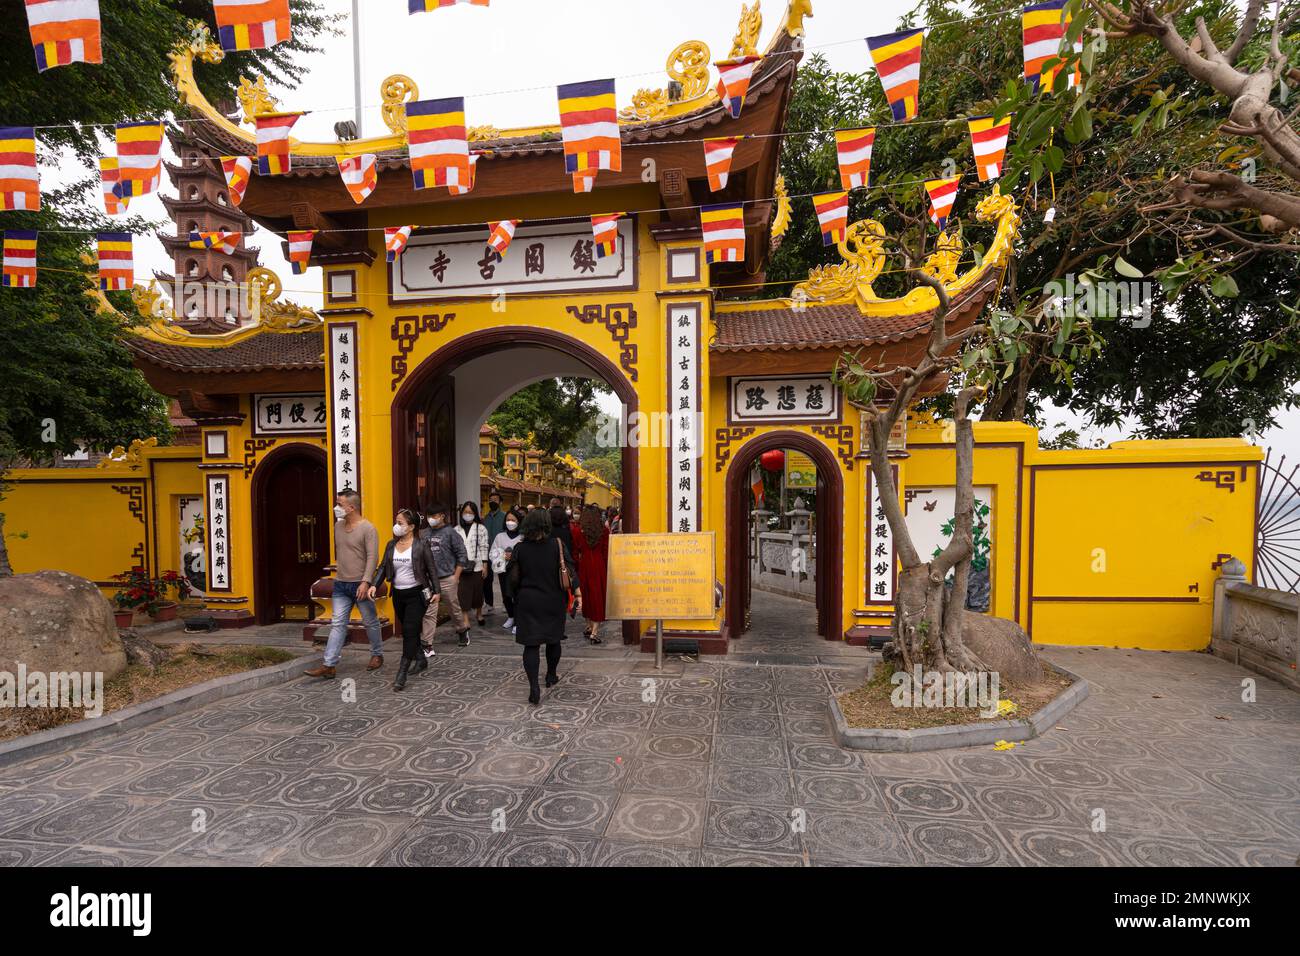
(344, 599)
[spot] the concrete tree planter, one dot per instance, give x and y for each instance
(890, 740)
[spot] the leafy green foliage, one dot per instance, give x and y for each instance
(1089, 171)
(554, 411)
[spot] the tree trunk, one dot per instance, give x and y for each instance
(6, 569)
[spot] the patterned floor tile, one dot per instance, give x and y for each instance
(854, 837)
(748, 827)
(613, 853)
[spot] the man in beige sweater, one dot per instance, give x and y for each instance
(356, 552)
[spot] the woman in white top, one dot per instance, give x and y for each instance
(408, 565)
(499, 555)
(477, 549)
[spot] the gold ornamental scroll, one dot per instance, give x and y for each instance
(660, 577)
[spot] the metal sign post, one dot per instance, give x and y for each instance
(659, 645)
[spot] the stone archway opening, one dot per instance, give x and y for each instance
(439, 410)
(794, 554)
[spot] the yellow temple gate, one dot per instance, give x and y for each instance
(385, 389)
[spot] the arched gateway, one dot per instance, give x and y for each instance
(393, 376)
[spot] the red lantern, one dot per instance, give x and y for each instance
(773, 460)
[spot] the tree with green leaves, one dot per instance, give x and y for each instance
(66, 380)
(1091, 172)
(555, 411)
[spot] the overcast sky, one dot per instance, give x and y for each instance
(507, 59)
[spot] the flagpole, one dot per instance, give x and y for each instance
(356, 61)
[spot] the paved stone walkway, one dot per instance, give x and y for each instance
(731, 763)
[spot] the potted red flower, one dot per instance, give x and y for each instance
(143, 596)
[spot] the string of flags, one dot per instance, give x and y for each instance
(64, 31)
(300, 242)
(68, 31)
(116, 261)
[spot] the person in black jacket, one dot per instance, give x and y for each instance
(408, 564)
(539, 563)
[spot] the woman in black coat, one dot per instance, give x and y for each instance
(408, 564)
(541, 600)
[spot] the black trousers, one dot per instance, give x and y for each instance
(532, 660)
(487, 587)
(507, 597)
(409, 606)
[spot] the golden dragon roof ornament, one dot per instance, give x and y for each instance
(688, 64)
(863, 259)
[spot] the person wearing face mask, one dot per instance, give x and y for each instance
(500, 554)
(408, 564)
(356, 552)
(494, 521)
(477, 546)
(449, 563)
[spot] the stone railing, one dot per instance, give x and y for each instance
(1257, 628)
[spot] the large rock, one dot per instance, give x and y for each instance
(55, 621)
(1002, 646)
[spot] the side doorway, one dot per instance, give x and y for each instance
(291, 532)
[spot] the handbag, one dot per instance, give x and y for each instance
(565, 583)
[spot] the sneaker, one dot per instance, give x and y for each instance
(514, 630)
(429, 651)
(509, 624)
(464, 638)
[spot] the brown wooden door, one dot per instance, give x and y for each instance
(438, 454)
(293, 534)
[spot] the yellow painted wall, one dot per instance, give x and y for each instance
(1117, 546)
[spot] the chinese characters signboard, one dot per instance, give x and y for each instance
(797, 398)
(344, 407)
(218, 533)
(289, 414)
(660, 577)
(684, 416)
(548, 257)
(880, 547)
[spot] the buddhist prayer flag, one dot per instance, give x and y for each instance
(500, 235)
(724, 232)
(435, 130)
(897, 58)
(221, 240)
(1043, 27)
(20, 183)
(943, 193)
(604, 230)
(832, 216)
(139, 158)
(116, 262)
(458, 190)
(733, 81)
(395, 240)
(589, 119)
(64, 31)
(238, 171)
(300, 250)
(360, 174)
(717, 159)
(273, 158)
(20, 259)
(113, 204)
(988, 139)
(420, 6)
(853, 152)
(251, 24)
(584, 182)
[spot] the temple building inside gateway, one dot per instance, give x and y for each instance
(387, 389)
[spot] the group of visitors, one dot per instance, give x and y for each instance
(545, 563)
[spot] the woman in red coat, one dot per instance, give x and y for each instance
(591, 552)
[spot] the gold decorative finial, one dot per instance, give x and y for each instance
(942, 263)
(397, 91)
(781, 221)
(255, 99)
(794, 21)
(132, 457)
(263, 290)
(751, 25)
(477, 134)
(688, 65)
